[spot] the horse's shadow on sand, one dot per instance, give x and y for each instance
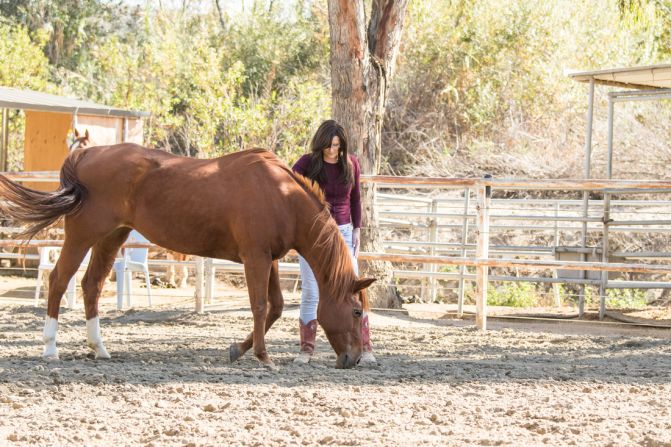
(159, 360)
(27, 293)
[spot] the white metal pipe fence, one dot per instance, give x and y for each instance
(452, 239)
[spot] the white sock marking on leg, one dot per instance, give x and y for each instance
(94, 338)
(49, 337)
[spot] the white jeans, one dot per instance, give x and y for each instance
(310, 290)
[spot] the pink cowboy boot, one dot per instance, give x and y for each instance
(367, 353)
(308, 335)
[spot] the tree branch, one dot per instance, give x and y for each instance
(221, 15)
(384, 30)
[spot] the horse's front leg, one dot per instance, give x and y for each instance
(276, 304)
(257, 273)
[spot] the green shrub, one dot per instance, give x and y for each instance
(486, 76)
(626, 298)
(615, 298)
(512, 294)
(258, 82)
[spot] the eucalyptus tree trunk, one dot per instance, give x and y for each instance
(362, 64)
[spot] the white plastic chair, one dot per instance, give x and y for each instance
(48, 256)
(133, 260)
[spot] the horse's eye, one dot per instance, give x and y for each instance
(357, 312)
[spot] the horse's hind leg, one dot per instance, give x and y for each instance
(68, 262)
(274, 311)
(183, 282)
(171, 273)
(102, 259)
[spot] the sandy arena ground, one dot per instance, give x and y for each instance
(438, 382)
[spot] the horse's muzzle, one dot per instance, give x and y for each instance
(346, 360)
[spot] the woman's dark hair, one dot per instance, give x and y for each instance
(320, 141)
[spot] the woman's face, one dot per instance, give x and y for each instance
(331, 152)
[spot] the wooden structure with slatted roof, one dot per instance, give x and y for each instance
(645, 83)
(50, 123)
(646, 77)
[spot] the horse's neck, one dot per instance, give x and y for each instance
(328, 273)
(311, 252)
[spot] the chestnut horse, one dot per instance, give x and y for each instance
(246, 207)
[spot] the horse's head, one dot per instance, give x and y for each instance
(341, 320)
(80, 141)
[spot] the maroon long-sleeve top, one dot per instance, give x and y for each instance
(345, 200)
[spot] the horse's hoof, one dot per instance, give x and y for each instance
(99, 351)
(50, 353)
(270, 365)
(103, 355)
(234, 353)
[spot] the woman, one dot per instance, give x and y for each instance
(337, 173)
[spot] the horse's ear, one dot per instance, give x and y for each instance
(86, 134)
(363, 283)
(77, 133)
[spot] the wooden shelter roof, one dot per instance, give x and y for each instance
(12, 98)
(642, 78)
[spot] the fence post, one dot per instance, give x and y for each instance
(603, 288)
(209, 280)
(425, 293)
(482, 252)
(433, 232)
(555, 286)
(464, 241)
(585, 194)
(200, 268)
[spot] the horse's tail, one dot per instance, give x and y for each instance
(39, 209)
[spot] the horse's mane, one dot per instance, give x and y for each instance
(312, 187)
(335, 255)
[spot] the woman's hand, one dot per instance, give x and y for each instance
(356, 239)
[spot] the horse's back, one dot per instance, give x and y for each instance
(115, 165)
(191, 205)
